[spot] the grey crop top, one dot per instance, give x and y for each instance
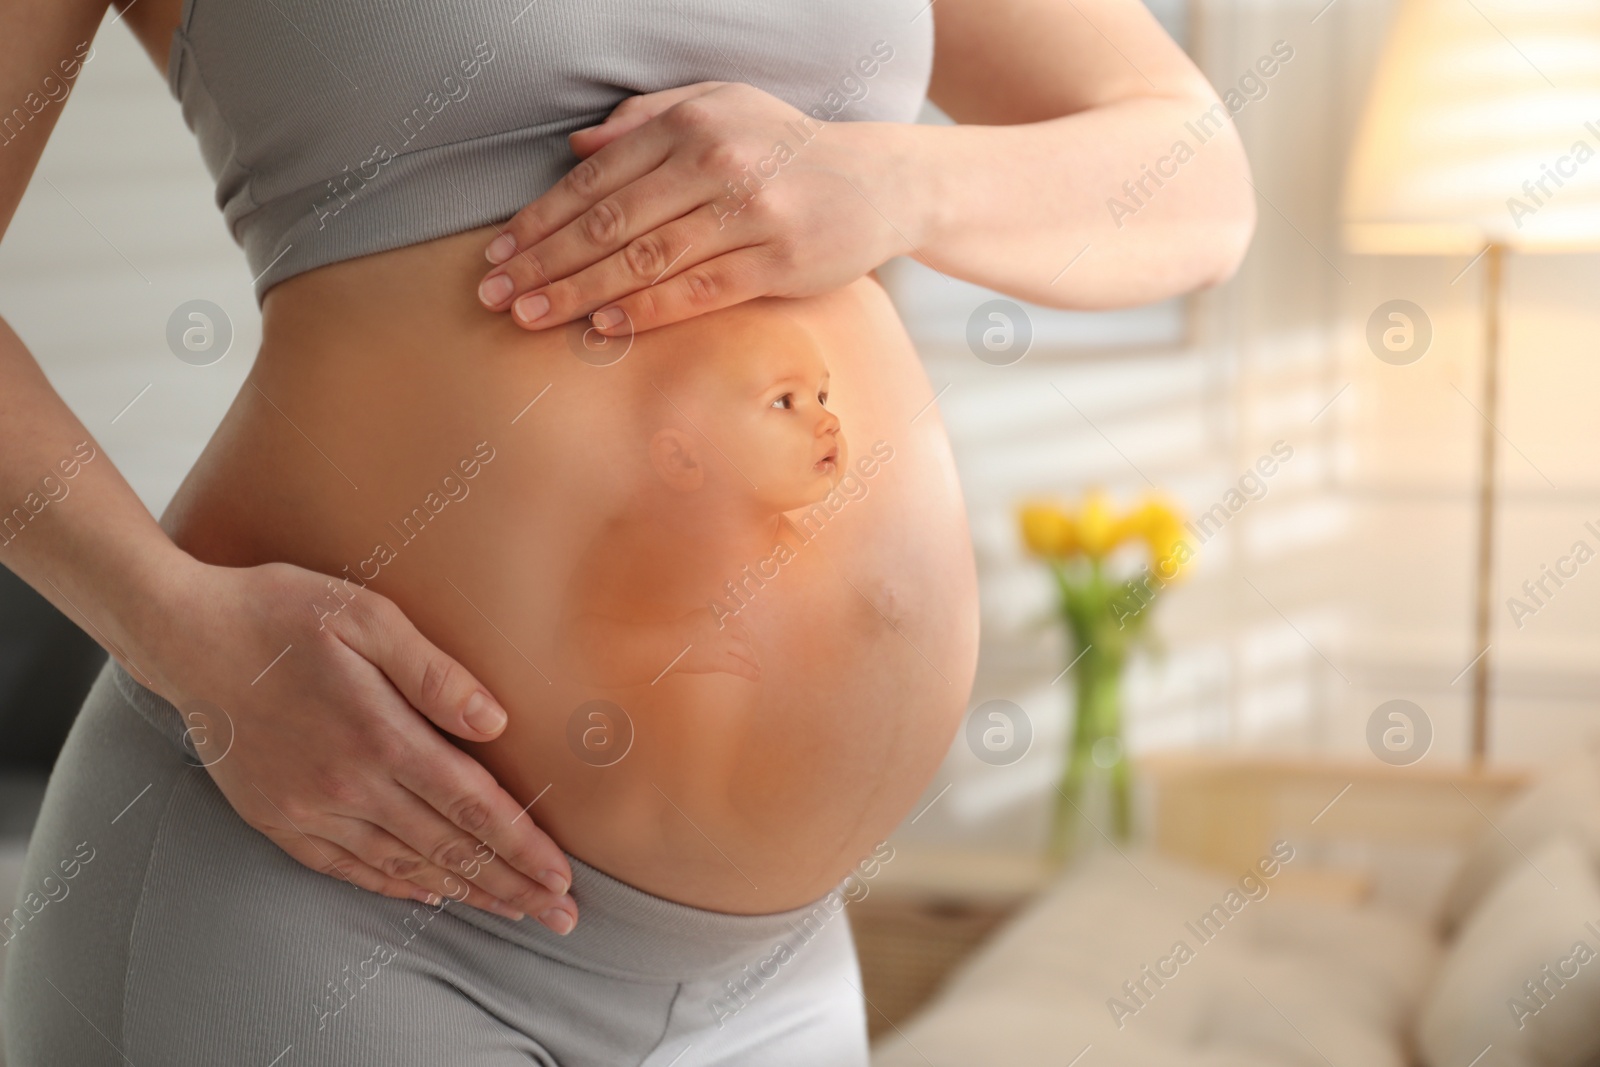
(338, 129)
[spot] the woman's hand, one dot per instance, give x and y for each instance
(320, 734)
(697, 198)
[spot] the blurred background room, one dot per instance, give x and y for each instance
(1373, 673)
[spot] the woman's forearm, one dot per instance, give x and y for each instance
(1145, 198)
(70, 525)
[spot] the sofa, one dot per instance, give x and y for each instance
(1292, 912)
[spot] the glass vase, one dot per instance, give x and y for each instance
(1093, 797)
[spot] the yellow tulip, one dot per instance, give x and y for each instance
(1047, 530)
(1154, 516)
(1162, 529)
(1097, 527)
(1168, 561)
(1127, 527)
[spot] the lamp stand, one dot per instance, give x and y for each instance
(1486, 499)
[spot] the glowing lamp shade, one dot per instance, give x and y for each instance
(1482, 126)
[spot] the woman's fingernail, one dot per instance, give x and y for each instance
(554, 882)
(606, 318)
(531, 306)
(482, 715)
(501, 248)
(500, 907)
(558, 921)
(495, 289)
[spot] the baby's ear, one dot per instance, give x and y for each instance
(676, 460)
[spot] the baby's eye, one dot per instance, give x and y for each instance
(786, 401)
(822, 398)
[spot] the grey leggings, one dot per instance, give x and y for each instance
(154, 927)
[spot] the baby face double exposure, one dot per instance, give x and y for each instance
(757, 408)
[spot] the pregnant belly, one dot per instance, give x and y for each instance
(734, 636)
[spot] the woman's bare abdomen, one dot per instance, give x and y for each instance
(734, 644)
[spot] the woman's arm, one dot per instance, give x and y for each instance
(1064, 103)
(328, 755)
(1067, 102)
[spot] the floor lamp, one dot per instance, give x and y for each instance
(1469, 145)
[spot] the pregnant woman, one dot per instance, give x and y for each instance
(578, 590)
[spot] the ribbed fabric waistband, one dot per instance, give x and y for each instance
(156, 709)
(622, 931)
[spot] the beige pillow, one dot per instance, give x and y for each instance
(1565, 800)
(1524, 974)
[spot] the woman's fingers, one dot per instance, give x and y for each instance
(458, 788)
(592, 180)
(429, 861)
(458, 784)
(332, 859)
(648, 259)
(335, 861)
(349, 848)
(378, 849)
(452, 783)
(422, 831)
(633, 224)
(387, 853)
(804, 207)
(632, 113)
(435, 684)
(709, 286)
